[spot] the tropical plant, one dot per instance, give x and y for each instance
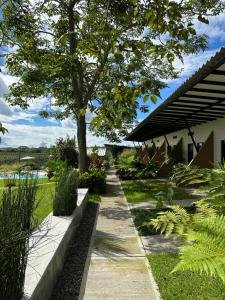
(203, 233)
(163, 197)
(16, 224)
(190, 175)
(55, 168)
(65, 199)
(127, 157)
(148, 170)
(127, 173)
(94, 179)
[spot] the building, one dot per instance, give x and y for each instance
(190, 124)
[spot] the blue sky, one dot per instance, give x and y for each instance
(27, 128)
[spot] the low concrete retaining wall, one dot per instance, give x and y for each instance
(48, 250)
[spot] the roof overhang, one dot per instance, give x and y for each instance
(200, 99)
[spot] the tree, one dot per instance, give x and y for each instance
(98, 55)
(3, 130)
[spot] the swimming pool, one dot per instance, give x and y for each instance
(23, 175)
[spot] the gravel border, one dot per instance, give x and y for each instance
(69, 282)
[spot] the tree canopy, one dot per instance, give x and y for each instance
(101, 56)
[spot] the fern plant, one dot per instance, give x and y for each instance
(203, 234)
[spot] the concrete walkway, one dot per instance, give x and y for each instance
(118, 267)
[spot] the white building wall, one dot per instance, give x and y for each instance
(201, 132)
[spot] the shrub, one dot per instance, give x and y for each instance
(55, 168)
(32, 165)
(127, 173)
(65, 150)
(94, 179)
(16, 210)
(126, 157)
(148, 171)
(65, 199)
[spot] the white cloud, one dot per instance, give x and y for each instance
(35, 135)
(68, 123)
(4, 109)
(193, 62)
(214, 30)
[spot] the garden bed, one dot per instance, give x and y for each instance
(70, 279)
(147, 190)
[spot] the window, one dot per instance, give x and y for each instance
(223, 151)
(190, 152)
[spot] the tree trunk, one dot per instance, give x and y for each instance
(82, 147)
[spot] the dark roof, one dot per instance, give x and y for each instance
(198, 100)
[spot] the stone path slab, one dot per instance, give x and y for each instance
(118, 267)
(160, 243)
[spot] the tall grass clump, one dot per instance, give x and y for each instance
(65, 199)
(16, 211)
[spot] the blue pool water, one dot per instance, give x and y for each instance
(23, 175)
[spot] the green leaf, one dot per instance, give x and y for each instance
(154, 99)
(203, 19)
(63, 39)
(146, 97)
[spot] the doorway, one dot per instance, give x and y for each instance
(190, 152)
(222, 151)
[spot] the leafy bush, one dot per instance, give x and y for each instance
(126, 157)
(94, 179)
(131, 173)
(65, 150)
(148, 170)
(127, 173)
(130, 166)
(16, 210)
(55, 168)
(190, 175)
(95, 160)
(65, 199)
(32, 165)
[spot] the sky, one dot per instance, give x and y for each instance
(26, 127)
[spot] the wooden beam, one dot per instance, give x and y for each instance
(218, 72)
(192, 136)
(207, 91)
(199, 97)
(212, 82)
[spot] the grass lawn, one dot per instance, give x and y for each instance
(146, 190)
(44, 200)
(183, 285)
(39, 181)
